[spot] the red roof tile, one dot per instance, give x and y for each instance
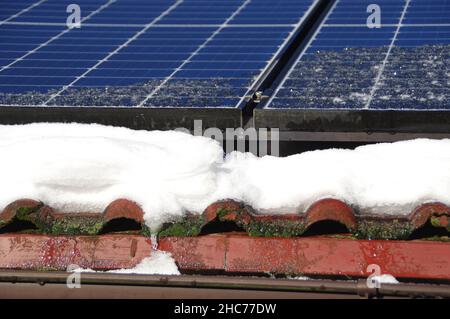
(278, 243)
(49, 221)
(232, 253)
(41, 252)
(255, 223)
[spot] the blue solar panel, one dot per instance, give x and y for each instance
(402, 65)
(140, 53)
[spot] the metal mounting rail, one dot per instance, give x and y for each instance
(286, 57)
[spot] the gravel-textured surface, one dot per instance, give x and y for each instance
(175, 93)
(413, 78)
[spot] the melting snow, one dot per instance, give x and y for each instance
(159, 263)
(75, 167)
(304, 278)
(384, 279)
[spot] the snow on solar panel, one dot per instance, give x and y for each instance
(159, 53)
(402, 65)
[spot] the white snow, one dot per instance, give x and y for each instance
(302, 278)
(380, 179)
(75, 167)
(384, 279)
(359, 96)
(338, 100)
(159, 263)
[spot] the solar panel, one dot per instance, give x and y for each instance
(402, 65)
(139, 53)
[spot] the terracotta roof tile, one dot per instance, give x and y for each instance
(290, 225)
(437, 213)
(42, 252)
(123, 208)
(331, 209)
(48, 221)
(232, 253)
(223, 215)
(229, 237)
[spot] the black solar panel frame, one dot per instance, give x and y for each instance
(134, 118)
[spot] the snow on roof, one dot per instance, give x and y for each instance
(83, 168)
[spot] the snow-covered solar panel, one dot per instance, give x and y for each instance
(403, 65)
(141, 53)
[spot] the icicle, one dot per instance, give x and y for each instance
(154, 240)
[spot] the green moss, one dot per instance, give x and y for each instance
(23, 213)
(438, 238)
(188, 227)
(239, 220)
(77, 225)
(339, 236)
(276, 228)
(28, 214)
(436, 222)
(222, 212)
(372, 229)
(46, 269)
(145, 231)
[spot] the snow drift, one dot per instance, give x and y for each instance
(158, 263)
(78, 167)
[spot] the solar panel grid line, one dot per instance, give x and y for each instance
(148, 26)
(135, 45)
(280, 49)
(104, 6)
(144, 46)
(292, 67)
(419, 25)
(237, 25)
(123, 60)
(383, 65)
(22, 11)
(140, 25)
(209, 39)
(254, 30)
(59, 24)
